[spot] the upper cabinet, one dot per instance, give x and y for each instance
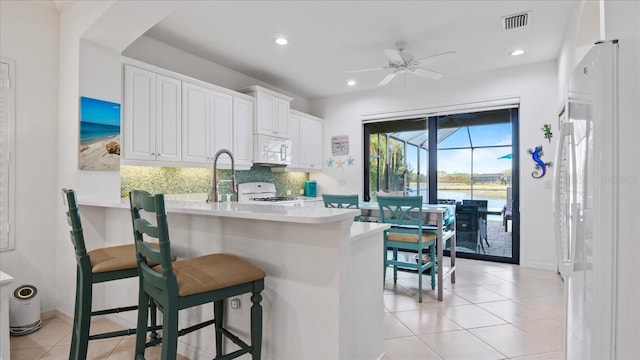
(294, 130)
(272, 111)
(152, 116)
(243, 130)
(311, 142)
(184, 122)
(207, 123)
(306, 141)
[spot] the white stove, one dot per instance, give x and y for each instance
(262, 192)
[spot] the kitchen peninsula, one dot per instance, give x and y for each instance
(323, 290)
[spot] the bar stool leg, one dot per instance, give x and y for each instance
(143, 313)
(218, 313)
(169, 334)
(83, 321)
(76, 318)
(256, 325)
(154, 320)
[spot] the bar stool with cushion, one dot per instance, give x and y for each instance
(191, 282)
(405, 214)
(93, 267)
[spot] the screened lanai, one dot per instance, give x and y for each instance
(465, 158)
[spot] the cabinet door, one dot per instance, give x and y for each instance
(243, 131)
(195, 127)
(310, 143)
(265, 110)
(281, 118)
(294, 135)
(168, 118)
(221, 121)
(139, 114)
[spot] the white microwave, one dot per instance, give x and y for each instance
(271, 150)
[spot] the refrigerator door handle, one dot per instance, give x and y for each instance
(564, 251)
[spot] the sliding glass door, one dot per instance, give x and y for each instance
(469, 165)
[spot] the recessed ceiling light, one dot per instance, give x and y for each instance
(282, 41)
(351, 82)
(517, 52)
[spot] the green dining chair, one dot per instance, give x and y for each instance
(342, 202)
(406, 233)
(93, 267)
(186, 283)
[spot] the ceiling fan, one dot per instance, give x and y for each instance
(402, 62)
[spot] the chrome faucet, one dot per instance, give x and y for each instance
(214, 183)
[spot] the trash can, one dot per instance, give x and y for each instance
(24, 311)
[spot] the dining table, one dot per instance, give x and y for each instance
(434, 216)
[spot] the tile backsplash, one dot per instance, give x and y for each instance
(184, 181)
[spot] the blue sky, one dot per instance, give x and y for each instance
(486, 160)
(99, 111)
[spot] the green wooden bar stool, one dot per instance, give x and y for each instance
(93, 267)
(405, 213)
(191, 282)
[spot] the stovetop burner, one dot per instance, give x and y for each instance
(274, 198)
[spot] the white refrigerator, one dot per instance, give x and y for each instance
(586, 203)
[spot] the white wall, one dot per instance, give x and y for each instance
(29, 35)
(100, 78)
(535, 85)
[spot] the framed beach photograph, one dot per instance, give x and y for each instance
(99, 135)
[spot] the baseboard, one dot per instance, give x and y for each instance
(541, 266)
(57, 314)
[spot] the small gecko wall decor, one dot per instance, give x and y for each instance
(547, 132)
(541, 166)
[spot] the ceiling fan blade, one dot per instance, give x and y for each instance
(393, 55)
(429, 74)
(449, 55)
(369, 69)
(387, 78)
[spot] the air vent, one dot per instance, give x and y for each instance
(515, 21)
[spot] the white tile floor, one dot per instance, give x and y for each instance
(494, 311)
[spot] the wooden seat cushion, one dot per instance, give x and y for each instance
(410, 238)
(212, 272)
(114, 258)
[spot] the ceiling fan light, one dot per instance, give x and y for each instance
(282, 41)
(517, 52)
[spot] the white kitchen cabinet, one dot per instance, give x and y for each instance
(310, 142)
(207, 124)
(195, 127)
(152, 116)
(272, 111)
(294, 135)
(243, 115)
(221, 125)
(305, 132)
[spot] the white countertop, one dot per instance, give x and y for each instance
(258, 211)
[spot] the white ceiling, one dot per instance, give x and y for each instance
(329, 38)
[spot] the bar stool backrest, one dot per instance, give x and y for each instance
(76, 233)
(340, 201)
(161, 281)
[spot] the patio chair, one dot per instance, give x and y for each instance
(506, 211)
